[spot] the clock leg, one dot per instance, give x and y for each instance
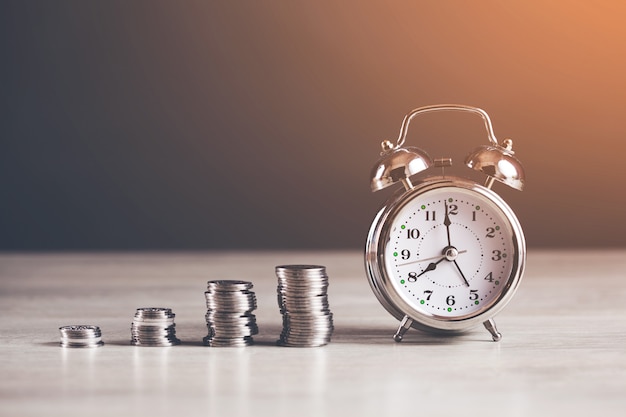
(490, 325)
(405, 324)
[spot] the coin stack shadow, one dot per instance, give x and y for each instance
(153, 326)
(229, 315)
(81, 336)
(303, 302)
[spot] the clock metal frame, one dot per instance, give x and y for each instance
(395, 304)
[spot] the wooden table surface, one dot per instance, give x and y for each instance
(563, 350)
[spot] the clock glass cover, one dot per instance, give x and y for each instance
(450, 252)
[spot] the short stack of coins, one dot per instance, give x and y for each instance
(153, 326)
(229, 315)
(303, 302)
(81, 336)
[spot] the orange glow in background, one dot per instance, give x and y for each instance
(256, 124)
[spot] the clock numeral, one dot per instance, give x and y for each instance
(412, 276)
(412, 234)
(450, 300)
(431, 215)
(429, 292)
(497, 255)
(453, 209)
(406, 254)
(489, 277)
(491, 232)
(473, 295)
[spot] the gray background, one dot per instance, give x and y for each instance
(254, 124)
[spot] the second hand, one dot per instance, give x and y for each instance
(428, 259)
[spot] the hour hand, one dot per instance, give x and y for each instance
(447, 223)
(431, 266)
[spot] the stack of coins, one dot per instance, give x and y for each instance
(229, 315)
(303, 302)
(81, 336)
(153, 326)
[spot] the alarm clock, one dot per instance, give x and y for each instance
(445, 254)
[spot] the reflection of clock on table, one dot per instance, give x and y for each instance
(445, 253)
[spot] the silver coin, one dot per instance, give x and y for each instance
(228, 342)
(300, 269)
(228, 333)
(288, 343)
(229, 318)
(80, 328)
(305, 339)
(66, 344)
(80, 336)
(302, 295)
(153, 326)
(228, 285)
(154, 311)
(303, 302)
(231, 308)
(155, 342)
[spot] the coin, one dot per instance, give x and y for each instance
(80, 336)
(302, 296)
(153, 326)
(229, 318)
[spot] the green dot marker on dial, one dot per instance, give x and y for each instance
(395, 254)
(402, 281)
(421, 301)
(449, 309)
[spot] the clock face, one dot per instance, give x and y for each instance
(450, 252)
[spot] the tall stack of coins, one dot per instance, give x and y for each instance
(229, 315)
(153, 326)
(303, 302)
(81, 336)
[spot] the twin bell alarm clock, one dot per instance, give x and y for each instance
(444, 253)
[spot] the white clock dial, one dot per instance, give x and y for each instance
(450, 252)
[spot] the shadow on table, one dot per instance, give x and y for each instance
(378, 336)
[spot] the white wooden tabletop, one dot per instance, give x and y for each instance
(563, 348)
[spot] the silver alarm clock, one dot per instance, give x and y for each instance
(445, 253)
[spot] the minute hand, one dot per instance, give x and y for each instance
(461, 272)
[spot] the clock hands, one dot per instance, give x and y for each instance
(438, 257)
(450, 252)
(431, 266)
(461, 272)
